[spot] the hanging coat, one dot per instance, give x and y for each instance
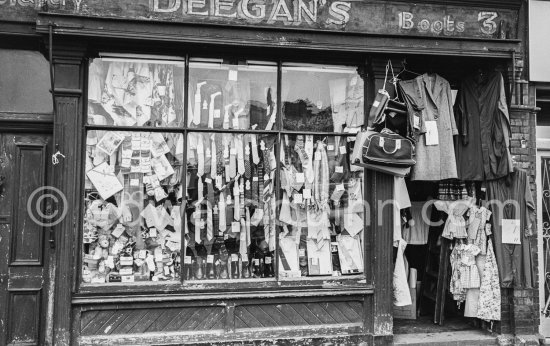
(431, 96)
(515, 261)
(482, 147)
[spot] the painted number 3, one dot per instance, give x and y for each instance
(488, 26)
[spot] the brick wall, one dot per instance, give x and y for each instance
(520, 308)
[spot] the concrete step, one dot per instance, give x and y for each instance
(458, 338)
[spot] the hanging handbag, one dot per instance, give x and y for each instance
(388, 148)
(393, 115)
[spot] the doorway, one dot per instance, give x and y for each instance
(26, 244)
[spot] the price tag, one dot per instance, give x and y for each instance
(297, 198)
(153, 232)
(307, 193)
(343, 149)
(302, 252)
(233, 75)
(233, 151)
(219, 181)
(126, 278)
(256, 261)
(255, 179)
(340, 187)
(210, 259)
(188, 260)
(330, 147)
(339, 169)
(236, 227)
(142, 254)
(235, 123)
(266, 177)
(268, 260)
(217, 113)
(317, 156)
(300, 178)
(234, 257)
(208, 180)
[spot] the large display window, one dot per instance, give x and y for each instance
(225, 171)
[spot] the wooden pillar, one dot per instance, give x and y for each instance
(69, 66)
(379, 192)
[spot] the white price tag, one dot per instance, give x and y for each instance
(300, 177)
(343, 149)
(339, 169)
(236, 227)
(210, 259)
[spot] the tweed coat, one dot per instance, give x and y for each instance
(430, 95)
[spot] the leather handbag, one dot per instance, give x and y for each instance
(388, 148)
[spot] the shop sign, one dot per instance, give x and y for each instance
(393, 18)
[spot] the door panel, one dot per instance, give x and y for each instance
(27, 245)
(24, 270)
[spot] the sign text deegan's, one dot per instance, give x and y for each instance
(372, 17)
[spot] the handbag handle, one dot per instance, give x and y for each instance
(397, 146)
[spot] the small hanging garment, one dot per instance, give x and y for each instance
(401, 292)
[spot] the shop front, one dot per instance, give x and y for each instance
(203, 149)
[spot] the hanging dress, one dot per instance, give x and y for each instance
(489, 296)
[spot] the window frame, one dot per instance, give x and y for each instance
(357, 281)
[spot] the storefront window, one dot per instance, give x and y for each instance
(231, 213)
(227, 96)
(321, 98)
(321, 213)
(125, 92)
(231, 190)
(133, 206)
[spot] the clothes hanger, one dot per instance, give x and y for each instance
(404, 64)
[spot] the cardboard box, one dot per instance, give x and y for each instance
(407, 312)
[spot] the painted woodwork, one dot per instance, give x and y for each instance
(366, 17)
(25, 254)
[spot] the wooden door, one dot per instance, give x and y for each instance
(25, 248)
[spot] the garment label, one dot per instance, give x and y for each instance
(432, 136)
(511, 231)
(416, 121)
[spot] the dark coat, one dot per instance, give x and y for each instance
(482, 147)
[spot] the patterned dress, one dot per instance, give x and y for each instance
(489, 297)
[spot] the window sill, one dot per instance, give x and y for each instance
(197, 296)
(214, 289)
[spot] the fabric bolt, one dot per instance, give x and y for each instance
(455, 226)
(417, 233)
(511, 198)
(489, 305)
(482, 147)
(452, 190)
(431, 95)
